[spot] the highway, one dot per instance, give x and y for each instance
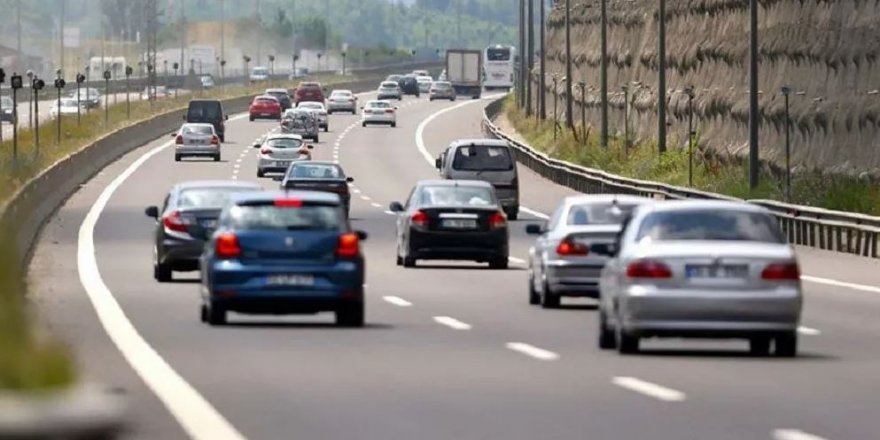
(450, 351)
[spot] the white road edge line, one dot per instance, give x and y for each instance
(397, 301)
(648, 389)
(194, 413)
(794, 434)
(531, 350)
(452, 323)
(534, 213)
(808, 331)
(830, 282)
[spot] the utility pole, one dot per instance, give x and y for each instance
(18, 32)
(542, 85)
(458, 20)
(259, 36)
(603, 82)
(520, 67)
(61, 40)
(222, 32)
(183, 39)
(661, 81)
(530, 55)
(569, 117)
(753, 94)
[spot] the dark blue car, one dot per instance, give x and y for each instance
(281, 253)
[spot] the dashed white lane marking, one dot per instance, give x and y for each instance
(830, 282)
(516, 260)
(365, 198)
(397, 301)
(808, 331)
(376, 205)
(794, 434)
(356, 191)
(531, 350)
(390, 213)
(194, 413)
(452, 323)
(648, 389)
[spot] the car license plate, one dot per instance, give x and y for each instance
(454, 223)
(265, 114)
(282, 163)
(290, 280)
(722, 271)
(210, 223)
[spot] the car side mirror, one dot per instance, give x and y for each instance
(438, 163)
(362, 235)
(349, 179)
(278, 178)
(173, 135)
(534, 229)
(183, 117)
(257, 145)
(310, 147)
(606, 249)
(395, 207)
(152, 212)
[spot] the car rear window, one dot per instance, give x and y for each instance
(598, 214)
(267, 100)
(283, 143)
(722, 225)
(203, 111)
(207, 198)
(310, 85)
(448, 195)
(197, 129)
(315, 171)
(379, 104)
(271, 217)
(482, 158)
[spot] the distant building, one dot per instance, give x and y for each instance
(12, 61)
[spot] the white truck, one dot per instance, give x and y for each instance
(464, 69)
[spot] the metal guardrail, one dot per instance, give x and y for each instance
(837, 231)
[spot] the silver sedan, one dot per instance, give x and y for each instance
(196, 139)
(560, 263)
(708, 269)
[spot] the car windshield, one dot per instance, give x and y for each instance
(197, 129)
(208, 198)
(270, 217)
(389, 85)
(441, 85)
(458, 195)
(315, 171)
(266, 100)
(283, 143)
(598, 213)
(279, 94)
(68, 103)
(716, 224)
(482, 158)
(310, 85)
(394, 78)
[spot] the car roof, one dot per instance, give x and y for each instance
(341, 91)
(198, 124)
(582, 199)
(267, 196)
(266, 97)
(216, 184)
(276, 90)
(687, 205)
(488, 142)
(283, 136)
(318, 162)
(454, 183)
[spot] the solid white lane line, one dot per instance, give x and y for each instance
(808, 331)
(376, 205)
(531, 350)
(420, 130)
(194, 413)
(830, 282)
(397, 301)
(534, 213)
(649, 389)
(452, 323)
(794, 434)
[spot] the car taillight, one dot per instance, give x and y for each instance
(226, 246)
(497, 220)
(288, 203)
(265, 151)
(178, 140)
(570, 247)
(348, 245)
(648, 269)
(781, 272)
(420, 218)
(173, 221)
(215, 140)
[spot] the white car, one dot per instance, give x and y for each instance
(389, 90)
(319, 110)
(68, 107)
(342, 101)
(278, 151)
(259, 73)
(424, 83)
(196, 139)
(379, 112)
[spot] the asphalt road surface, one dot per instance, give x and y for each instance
(450, 351)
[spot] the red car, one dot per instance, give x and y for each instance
(309, 92)
(265, 106)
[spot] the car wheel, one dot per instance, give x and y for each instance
(252, 119)
(759, 346)
(786, 345)
(534, 297)
(177, 157)
(162, 273)
(260, 173)
(222, 138)
(216, 315)
(399, 261)
(351, 315)
(549, 300)
(363, 124)
(394, 125)
(626, 343)
(500, 263)
(409, 261)
(326, 128)
(203, 313)
(512, 213)
(431, 99)
(217, 158)
(607, 339)
(316, 139)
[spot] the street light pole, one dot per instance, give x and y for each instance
(128, 72)
(785, 92)
(661, 80)
(569, 117)
(753, 94)
(555, 99)
(690, 93)
(583, 87)
(603, 84)
(36, 85)
(59, 86)
(625, 89)
(16, 83)
(529, 52)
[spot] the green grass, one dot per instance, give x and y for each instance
(710, 173)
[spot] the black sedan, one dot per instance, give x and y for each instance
(452, 220)
(186, 220)
(409, 85)
(318, 176)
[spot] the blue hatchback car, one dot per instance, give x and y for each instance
(279, 253)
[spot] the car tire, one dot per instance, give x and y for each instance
(394, 125)
(177, 157)
(786, 345)
(203, 313)
(252, 119)
(549, 300)
(217, 158)
(363, 124)
(626, 343)
(399, 261)
(351, 315)
(607, 338)
(222, 138)
(759, 346)
(534, 297)
(326, 128)
(430, 99)
(316, 138)
(500, 264)
(409, 261)
(216, 315)
(260, 173)
(162, 273)
(512, 213)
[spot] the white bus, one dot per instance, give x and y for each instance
(498, 67)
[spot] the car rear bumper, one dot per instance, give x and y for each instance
(199, 150)
(265, 115)
(566, 279)
(395, 96)
(647, 310)
(379, 119)
(341, 107)
(181, 255)
(442, 96)
(478, 246)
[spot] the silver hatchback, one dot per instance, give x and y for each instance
(278, 151)
(707, 269)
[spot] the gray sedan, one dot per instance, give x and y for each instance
(560, 263)
(708, 269)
